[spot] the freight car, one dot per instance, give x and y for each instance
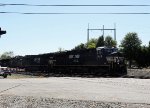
(101, 61)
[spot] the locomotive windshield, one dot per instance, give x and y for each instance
(106, 50)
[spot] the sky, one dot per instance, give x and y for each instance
(38, 34)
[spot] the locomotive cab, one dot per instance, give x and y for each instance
(103, 52)
(117, 62)
(113, 58)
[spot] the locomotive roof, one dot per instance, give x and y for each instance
(116, 54)
(74, 51)
(66, 51)
(105, 47)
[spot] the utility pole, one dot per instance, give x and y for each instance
(88, 33)
(2, 32)
(115, 32)
(103, 29)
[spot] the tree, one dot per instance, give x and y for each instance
(92, 43)
(148, 54)
(7, 55)
(149, 46)
(142, 52)
(100, 41)
(80, 46)
(131, 44)
(110, 42)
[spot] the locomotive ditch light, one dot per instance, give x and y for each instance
(2, 32)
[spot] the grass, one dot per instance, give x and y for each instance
(18, 76)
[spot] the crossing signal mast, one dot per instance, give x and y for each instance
(2, 32)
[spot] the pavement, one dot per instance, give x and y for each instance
(126, 90)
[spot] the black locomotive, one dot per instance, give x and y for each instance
(101, 61)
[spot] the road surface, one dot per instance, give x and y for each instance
(96, 89)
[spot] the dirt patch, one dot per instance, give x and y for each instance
(139, 73)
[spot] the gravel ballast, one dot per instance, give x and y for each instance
(74, 92)
(9, 101)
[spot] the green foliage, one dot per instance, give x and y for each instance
(7, 55)
(149, 45)
(92, 43)
(142, 57)
(110, 42)
(131, 44)
(100, 41)
(80, 46)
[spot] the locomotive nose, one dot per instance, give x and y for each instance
(115, 57)
(109, 59)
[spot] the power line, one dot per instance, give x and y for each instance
(43, 5)
(33, 13)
